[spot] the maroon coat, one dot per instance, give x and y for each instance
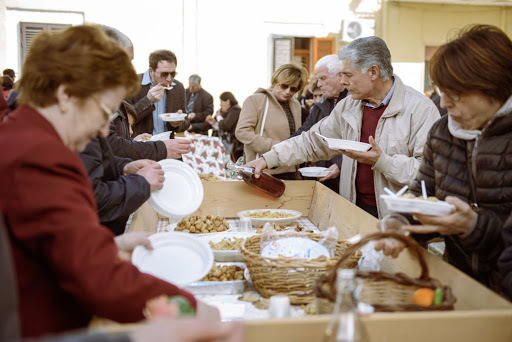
(66, 262)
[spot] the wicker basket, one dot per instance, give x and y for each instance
(385, 291)
(291, 277)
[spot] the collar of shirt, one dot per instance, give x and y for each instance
(146, 79)
(386, 100)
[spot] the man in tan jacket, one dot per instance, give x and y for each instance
(392, 117)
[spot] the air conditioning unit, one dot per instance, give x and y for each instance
(357, 28)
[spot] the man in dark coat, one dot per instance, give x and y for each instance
(123, 146)
(120, 185)
(160, 93)
(327, 69)
(505, 261)
(199, 106)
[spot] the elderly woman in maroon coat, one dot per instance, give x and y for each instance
(67, 265)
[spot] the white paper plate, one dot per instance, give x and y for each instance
(178, 258)
(256, 222)
(225, 255)
(314, 171)
(419, 206)
(341, 144)
(173, 116)
(161, 136)
(294, 247)
(182, 193)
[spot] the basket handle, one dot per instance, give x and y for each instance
(407, 240)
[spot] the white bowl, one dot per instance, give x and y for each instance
(314, 171)
(173, 116)
(176, 257)
(417, 206)
(256, 222)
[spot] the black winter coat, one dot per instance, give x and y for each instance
(203, 106)
(117, 195)
(123, 146)
(505, 261)
(447, 171)
(228, 126)
(175, 100)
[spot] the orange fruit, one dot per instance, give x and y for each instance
(423, 296)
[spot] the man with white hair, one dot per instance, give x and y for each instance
(327, 72)
(382, 111)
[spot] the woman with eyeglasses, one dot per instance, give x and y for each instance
(467, 159)
(270, 116)
(68, 266)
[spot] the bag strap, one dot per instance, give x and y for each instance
(263, 123)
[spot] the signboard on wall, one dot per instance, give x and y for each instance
(283, 51)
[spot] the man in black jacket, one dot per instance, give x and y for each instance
(160, 93)
(199, 106)
(327, 69)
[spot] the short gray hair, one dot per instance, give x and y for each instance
(194, 79)
(331, 62)
(367, 51)
(118, 36)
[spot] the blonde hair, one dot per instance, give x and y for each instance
(290, 73)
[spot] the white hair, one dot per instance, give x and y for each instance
(331, 62)
(367, 51)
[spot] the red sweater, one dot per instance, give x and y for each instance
(364, 176)
(66, 262)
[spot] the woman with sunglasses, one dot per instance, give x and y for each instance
(467, 159)
(270, 116)
(68, 266)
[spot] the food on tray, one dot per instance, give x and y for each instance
(423, 296)
(145, 139)
(227, 244)
(208, 177)
(200, 225)
(411, 196)
(267, 214)
(225, 273)
(165, 306)
(279, 228)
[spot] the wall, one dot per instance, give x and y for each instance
(408, 27)
(226, 42)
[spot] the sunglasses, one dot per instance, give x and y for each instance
(453, 98)
(286, 86)
(167, 74)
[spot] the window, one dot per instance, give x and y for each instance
(29, 30)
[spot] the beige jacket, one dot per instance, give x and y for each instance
(276, 125)
(401, 133)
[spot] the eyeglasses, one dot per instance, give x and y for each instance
(167, 74)
(107, 113)
(286, 86)
(453, 98)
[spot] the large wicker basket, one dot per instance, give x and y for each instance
(291, 277)
(385, 291)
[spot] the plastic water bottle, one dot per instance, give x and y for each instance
(345, 324)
